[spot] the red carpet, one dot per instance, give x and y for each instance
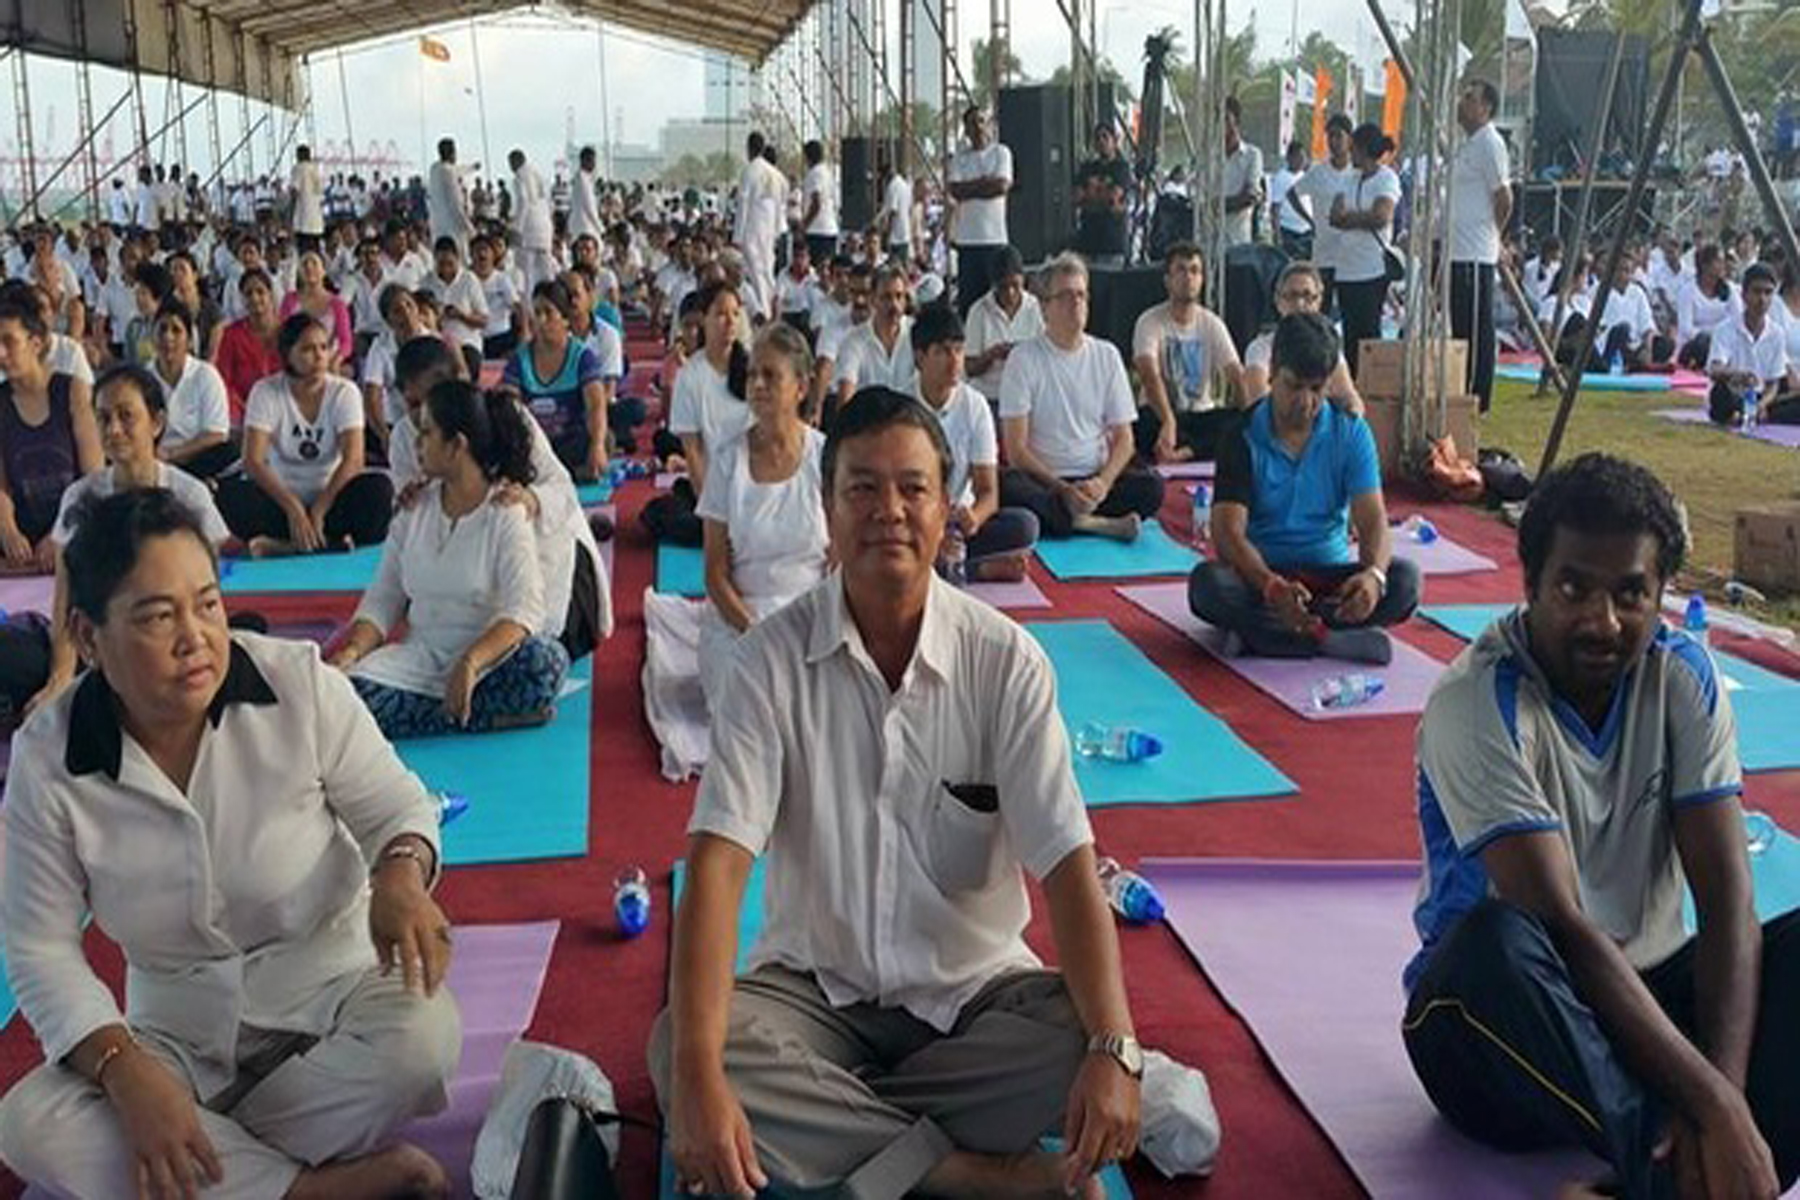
(1356, 801)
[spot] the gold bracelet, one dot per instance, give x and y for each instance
(106, 1060)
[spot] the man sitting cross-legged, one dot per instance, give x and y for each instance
(1577, 767)
(1293, 476)
(893, 747)
(1066, 413)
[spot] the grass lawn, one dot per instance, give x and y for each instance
(1713, 472)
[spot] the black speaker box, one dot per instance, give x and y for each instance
(1035, 126)
(1571, 73)
(859, 178)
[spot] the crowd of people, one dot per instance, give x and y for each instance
(855, 434)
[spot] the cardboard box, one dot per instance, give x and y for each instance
(1768, 546)
(1463, 421)
(1379, 365)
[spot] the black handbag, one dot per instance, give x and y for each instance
(564, 1157)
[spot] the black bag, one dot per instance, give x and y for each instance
(563, 1157)
(1391, 260)
(1503, 476)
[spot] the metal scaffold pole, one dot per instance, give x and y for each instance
(243, 80)
(344, 96)
(22, 110)
(215, 145)
(84, 107)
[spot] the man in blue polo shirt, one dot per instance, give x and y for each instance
(1294, 475)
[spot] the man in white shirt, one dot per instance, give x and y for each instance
(1066, 412)
(1242, 180)
(532, 222)
(878, 353)
(1627, 336)
(1749, 353)
(1318, 187)
(894, 751)
(1006, 315)
(309, 199)
(1480, 203)
(1294, 231)
(1181, 350)
(146, 215)
(980, 177)
(762, 199)
(462, 304)
(584, 198)
(445, 203)
(118, 206)
(819, 203)
(895, 218)
(797, 290)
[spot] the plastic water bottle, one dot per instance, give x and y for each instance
(1420, 529)
(631, 901)
(1759, 831)
(1747, 419)
(1130, 894)
(1347, 691)
(450, 805)
(1616, 364)
(1116, 743)
(1736, 592)
(956, 556)
(1200, 522)
(1693, 618)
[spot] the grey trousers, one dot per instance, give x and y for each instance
(297, 1101)
(863, 1102)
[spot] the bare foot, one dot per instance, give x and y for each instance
(1119, 529)
(1009, 568)
(401, 1171)
(262, 546)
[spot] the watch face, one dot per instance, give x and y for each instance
(1131, 1056)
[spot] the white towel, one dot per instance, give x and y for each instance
(674, 703)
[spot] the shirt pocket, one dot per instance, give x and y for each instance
(962, 837)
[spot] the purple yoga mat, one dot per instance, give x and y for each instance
(496, 976)
(27, 593)
(1186, 470)
(1022, 594)
(1309, 955)
(1777, 435)
(1408, 679)
(666, 479)
(1440, 557)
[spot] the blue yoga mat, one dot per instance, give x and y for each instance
(750, 923)
(1154, 553)
(1466, 621)
(300, 573)
(527, 788)
(592, 494)
(680, 571)
(1591, 381)
(1100, 676)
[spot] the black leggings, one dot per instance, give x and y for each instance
(1137, 490)
(1360, 303)
(361, 512)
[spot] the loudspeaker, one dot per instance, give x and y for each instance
(859, 177)
(1118, 296)
(1571, 72)
(1034, 125)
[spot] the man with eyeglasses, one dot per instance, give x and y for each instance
(1182, 350)
(1299, 288)
(1066, 413)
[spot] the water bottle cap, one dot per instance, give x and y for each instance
(1148, 744)
(1153, 907)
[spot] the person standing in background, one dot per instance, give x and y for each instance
(1243, 182)
(1294, 234)
(980, 177)
(1480, 203)
(819, 203)
(1102, 188)
(309, 202)
(444, 202)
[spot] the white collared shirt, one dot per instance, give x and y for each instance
(989, 325)
(1735, 348)
(865, 362)
(891, 890)
(243, 901)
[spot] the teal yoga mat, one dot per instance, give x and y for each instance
(1100, 676)
(1466, 621)
(1590, 382)
(592, 494)
(680, 570)
(353, 571)
(1154, 553)
(750, 923)
(1775, 876)
(527, 788)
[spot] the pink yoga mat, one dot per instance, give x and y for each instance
(1023, 594)
(666, 479)
(496, 976)
(1309, 955)
(1778, 435)
(1186, 470)
(1408, 679)
(27, 593)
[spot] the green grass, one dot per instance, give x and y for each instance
(1714, 472)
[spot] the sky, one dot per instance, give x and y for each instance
(401, 102)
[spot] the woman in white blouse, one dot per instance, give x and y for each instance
(1364, 211)
(304, 486)
(707, 410)
(461, 568)
(197, 430)
(763, 506)
(1704, 303)
(237, 826)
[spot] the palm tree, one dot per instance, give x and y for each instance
(981, 72)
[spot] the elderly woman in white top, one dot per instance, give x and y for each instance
(763, 506)
(461, 567)
(235, 822)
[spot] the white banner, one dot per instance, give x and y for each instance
(1288, 103)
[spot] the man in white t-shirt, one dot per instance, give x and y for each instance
(531, 221)
(1317, 188)
(980, 177)
(309, 199)
(445, 203)
(1480, 203)
(146, 214)
(1295, 233)
(819, 203)
(118, 206)
(895, 218)
(1182, 350)
(584, 198)
(762, 201)
(1243, 178)
(462, 304)
(1749, 351)
(1066, 412)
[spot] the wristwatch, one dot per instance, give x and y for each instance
(1122, 1048)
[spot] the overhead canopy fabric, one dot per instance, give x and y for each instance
(257, 44)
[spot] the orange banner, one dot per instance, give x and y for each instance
(1393, 107)
(1322, 82)
(433, 49)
